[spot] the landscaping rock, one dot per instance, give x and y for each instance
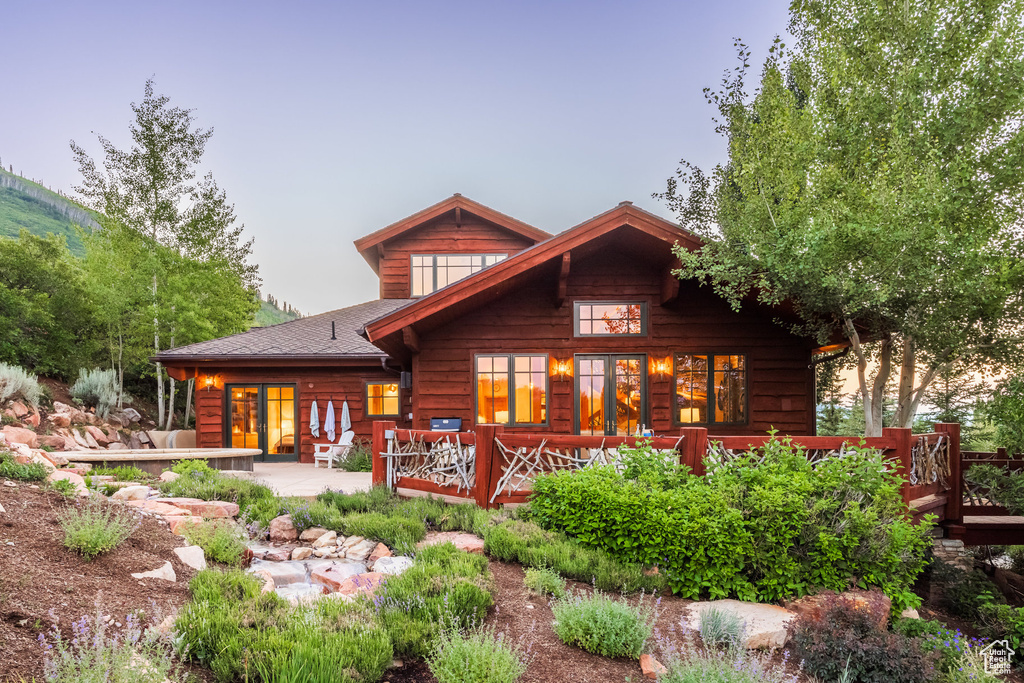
(313, 533)
(910, 613)
(212, 509)
(467, 542)
(19, 409)
(20, 435)
(282, 573)
(2, 511)
(302, 553)
(80, 440)
(97, 434)
(268, 580)
(116, 446)
(765, 626)
(367, 584)
(651, 667)
(282, 529)
(90, 440)
(165, 572)
(378, 552)
(60, 420)
(75, 479)
(813, 606)
(157, 508)
(131, 414)
(279, 554)
(351, 541)
(168, 475)
(180, 523)
(392, 565)
(131, 493)
(193, 556)
(360, 551)
(327, 539)
(52, 440)
(334, 576)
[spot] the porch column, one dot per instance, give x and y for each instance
(379, 445)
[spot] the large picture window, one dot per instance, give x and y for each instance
(431, 272)
(711, 389)
(512, 389)
(382, 399)
(610, 318)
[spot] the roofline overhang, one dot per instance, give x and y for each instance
(269, 359)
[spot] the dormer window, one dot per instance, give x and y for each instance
(431, 272)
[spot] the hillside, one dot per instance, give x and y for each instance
(28, 205)
(270, 314)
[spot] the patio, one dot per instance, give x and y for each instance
(301, 479)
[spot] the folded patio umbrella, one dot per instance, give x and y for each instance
(314, 420)
(329, 421)
(346, 421)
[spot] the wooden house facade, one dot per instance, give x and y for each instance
(486, 320)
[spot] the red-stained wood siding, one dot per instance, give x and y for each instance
(781, 386)
(442, 236)
(320, 384)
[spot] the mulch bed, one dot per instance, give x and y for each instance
(39, 577)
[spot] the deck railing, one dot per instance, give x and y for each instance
(493, 467)
(974, 499)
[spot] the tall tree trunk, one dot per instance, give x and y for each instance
(871, 399)
(189, 390)
(878, 388)
(905, 397)
(159, 367)
(170, 406)
(120, 368)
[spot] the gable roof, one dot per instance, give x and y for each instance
(368, 245)
(299, 339)
(648, 236)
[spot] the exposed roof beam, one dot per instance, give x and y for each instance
(669, 286)
(563, 280)
(411, 339)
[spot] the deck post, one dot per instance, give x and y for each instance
(379, 445)
(486, 454)
(902, 443)
(695, 447)
(955, 495)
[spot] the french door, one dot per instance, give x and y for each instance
(611, 394)
(264, 416)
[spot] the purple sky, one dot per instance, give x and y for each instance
(334, 119)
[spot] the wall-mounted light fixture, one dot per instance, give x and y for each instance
(210, 382)
(563, 368)
(662, 367)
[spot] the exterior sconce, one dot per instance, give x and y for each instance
(210, 382)
(563, 369)
(662, 367)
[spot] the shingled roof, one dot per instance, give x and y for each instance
(296, 339)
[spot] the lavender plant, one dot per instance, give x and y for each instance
(93, 527)
(600, 624)
(482, 655)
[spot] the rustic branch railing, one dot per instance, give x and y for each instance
(494, 467)
(975, 498)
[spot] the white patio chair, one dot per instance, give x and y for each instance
(333, 452)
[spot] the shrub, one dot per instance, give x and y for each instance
(602, 625)
(964, 592)
(96, 388)
(529, 545)
(122, 473)
(692, 665)
(398, 533)
(65, 487)
(186, 467)
(377, 499)
(12, 469)
(95, 527)
(545, 582)
(445, 587)
(721, 627)
(658, 469)
(1004, 621)
(93, 654)
(481, 656)
(845, 640)
(358, 458)
(16, 383)
(762, 526)
(220, 542)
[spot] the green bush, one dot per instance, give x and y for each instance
(16, 383)
(121, 473)
(720, 627)
(398, 533)
(377, 499)
(844, 642)
(97, 388)
(545, 582)
(1006, 410)
(220, 542)
(529, 545)
(358, 458)
(243, 634)
(65, 487)
(186, 467)
(602, 625)
(763, 526)
(964, 593)
(1003, 621)
(12, 469)
(95, 527)
(954, 649)
(445, 586)
(481, 656)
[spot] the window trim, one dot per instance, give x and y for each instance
(366, 399)
(576, 318)
(710, 388)
(433, 258)
(512, 424)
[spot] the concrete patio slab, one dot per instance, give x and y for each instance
(305, 481)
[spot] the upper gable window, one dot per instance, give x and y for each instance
(431, 272)
(610, 318)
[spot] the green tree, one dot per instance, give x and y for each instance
(874, 181)
(152, 189)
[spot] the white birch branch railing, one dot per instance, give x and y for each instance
(929, 462)
(445, 462)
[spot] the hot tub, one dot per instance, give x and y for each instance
(156, 460)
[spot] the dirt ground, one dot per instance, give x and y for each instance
(39, 577)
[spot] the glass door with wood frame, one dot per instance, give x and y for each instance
(611, 394)
(264, 416)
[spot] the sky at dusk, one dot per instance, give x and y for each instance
(334, 119)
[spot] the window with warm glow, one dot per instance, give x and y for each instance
(711, 389)
(610, 319)
(525, 403)
(431, 272)
(382, 399)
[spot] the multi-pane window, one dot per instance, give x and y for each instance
(599, 318)
(711, 389)
(382, 399)
(431, 272)
(511, 389)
